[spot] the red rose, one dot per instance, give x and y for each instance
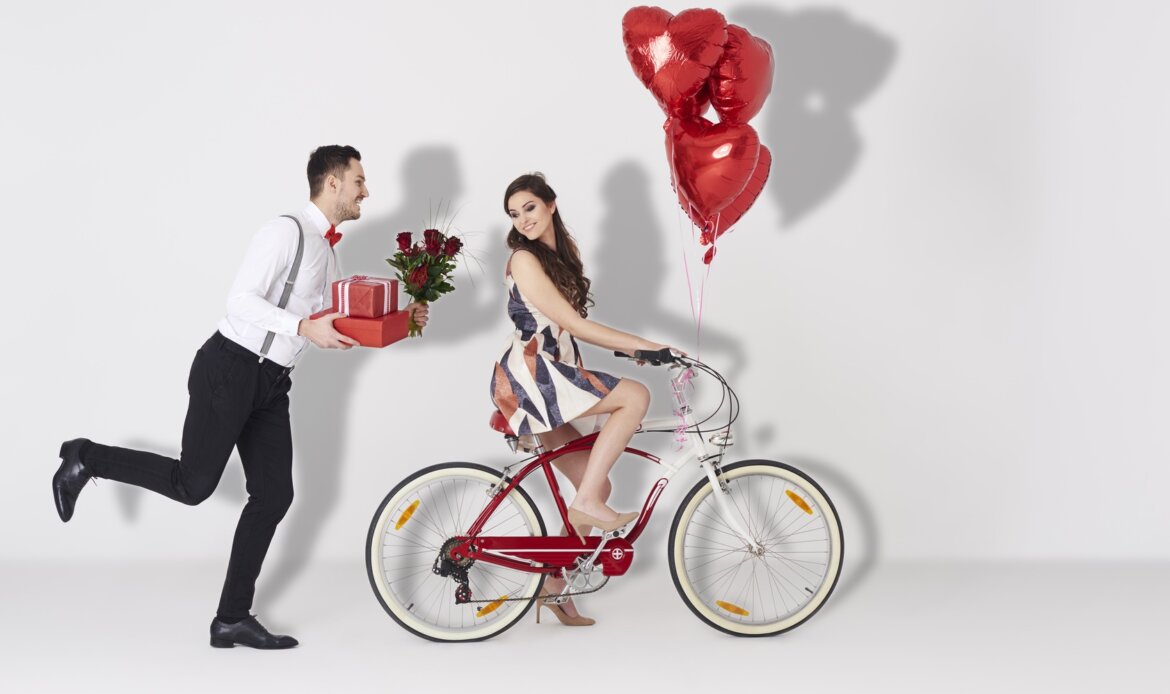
(433, 241)
(418, 276)
(404, 241)
(452, 246)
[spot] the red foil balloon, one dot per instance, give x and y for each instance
(743, 77)
(714, 228)
(673, 56)
(710, 164)
(698, 105)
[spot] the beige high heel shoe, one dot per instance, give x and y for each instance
(560, 614)
(581, 520)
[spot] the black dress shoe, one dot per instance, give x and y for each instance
(249, 632)
(70, 478)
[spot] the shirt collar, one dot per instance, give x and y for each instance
(315, 216)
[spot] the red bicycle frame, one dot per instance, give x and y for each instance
(550, 554)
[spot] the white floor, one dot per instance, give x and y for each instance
(897, 627)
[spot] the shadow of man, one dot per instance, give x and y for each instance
(324, 382)
(827, 65)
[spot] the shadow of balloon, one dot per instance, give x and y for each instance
(827, 65)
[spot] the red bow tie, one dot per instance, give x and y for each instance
(332, 236)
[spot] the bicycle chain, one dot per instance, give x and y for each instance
(537, 597)
(458, 571)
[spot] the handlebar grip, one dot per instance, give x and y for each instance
(656, 357)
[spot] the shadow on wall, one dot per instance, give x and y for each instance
(827, 65)
(632, 266)
(230, 491)
(323, 383)
(860, 530)
(629, 285)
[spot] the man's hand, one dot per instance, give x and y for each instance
(419, 313)
(321, 332)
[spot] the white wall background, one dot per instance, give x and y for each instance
(947, 305)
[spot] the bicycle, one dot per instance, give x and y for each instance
(755, 548)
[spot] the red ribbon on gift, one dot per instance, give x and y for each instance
(343, 291)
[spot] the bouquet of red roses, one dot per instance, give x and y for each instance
(424, 267)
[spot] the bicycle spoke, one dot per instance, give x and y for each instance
(696, 567)
(718, 518)
(795, 550)
(436, 510)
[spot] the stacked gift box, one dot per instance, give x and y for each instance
(370, 305)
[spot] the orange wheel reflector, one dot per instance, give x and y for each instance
(799, 501)
(407, 514)
(491, 606)
(733, 609)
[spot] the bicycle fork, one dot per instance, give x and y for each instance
(687, 434)
(723, 504)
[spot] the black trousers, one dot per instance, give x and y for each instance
(235, 402)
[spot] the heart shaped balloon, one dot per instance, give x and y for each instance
(697, 105)
(743, 77)
(720, 225)
(673, 55)
(710, 164)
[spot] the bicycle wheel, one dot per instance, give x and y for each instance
(414, 521)
(736, 590)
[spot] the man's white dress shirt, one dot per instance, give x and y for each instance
(252, 305)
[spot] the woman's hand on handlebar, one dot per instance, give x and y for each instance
(653, 352)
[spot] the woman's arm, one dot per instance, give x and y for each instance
(541, 291)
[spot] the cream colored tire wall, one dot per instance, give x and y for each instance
(385, 516)
(685, 514)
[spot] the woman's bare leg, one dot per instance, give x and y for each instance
(572, 466)
(626, 406)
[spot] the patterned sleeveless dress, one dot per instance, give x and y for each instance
(540, 383)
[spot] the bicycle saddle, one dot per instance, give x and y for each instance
(500, 423)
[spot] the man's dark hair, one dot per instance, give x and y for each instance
(326, 160)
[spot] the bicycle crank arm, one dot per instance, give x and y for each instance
(722, 503)
(606, 536)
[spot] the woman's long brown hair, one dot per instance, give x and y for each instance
(563, 266)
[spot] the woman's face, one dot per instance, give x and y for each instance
(532, 217)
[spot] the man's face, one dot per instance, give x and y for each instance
(351, 192)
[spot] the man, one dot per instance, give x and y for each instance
(239, 385)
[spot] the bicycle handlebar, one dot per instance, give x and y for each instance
(665, 356)
(654, 357)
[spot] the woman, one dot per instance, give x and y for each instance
(540, 385)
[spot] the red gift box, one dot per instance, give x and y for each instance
(365, 297)
(371, 332)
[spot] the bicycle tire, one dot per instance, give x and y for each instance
(784, 573)
(505, 615)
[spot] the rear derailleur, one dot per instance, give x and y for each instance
(446, 566)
